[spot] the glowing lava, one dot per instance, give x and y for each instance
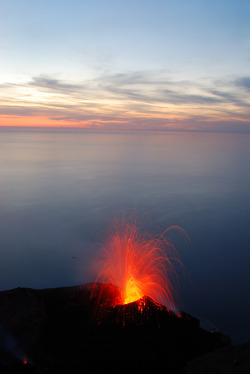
(132, 291)
(140, 265)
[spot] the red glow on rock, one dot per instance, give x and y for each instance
(140, 264)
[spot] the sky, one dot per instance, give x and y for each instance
(134, 64)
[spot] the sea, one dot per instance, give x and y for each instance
(61, 190)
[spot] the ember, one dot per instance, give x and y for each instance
(29, 367)
(140, 265)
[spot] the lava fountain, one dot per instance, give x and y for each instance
(140, 264)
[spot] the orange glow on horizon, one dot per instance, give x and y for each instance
(134, 121)
(28, 121)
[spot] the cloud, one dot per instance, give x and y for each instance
(140, 99)
(13, 110)
(54, 84)
(244, 82)
(185, 98)
(146, 87)
(151, 88)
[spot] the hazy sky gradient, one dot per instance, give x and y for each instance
(148, 64)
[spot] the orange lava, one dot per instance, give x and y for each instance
(140, 264)
(132, 290)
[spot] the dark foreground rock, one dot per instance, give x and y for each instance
(79, 329)
(228, 360)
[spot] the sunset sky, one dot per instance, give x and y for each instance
(134, 64)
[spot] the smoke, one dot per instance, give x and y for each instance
(9, 345)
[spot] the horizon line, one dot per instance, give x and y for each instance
(103, 130)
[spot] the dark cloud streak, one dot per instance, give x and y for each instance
(244, 82)
(54, 84)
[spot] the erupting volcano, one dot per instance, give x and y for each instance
(97, 326)
(140, 264)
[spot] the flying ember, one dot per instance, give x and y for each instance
(140, 264)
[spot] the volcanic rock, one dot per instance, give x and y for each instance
(228, 360)
(72, 329)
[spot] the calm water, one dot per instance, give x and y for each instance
(60, 191)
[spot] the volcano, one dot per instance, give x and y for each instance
(140, 263)
(71, 329)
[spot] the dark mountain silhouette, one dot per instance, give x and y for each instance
(72, 329)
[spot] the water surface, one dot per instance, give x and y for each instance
(61, 190)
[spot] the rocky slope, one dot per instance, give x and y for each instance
(72, 329)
